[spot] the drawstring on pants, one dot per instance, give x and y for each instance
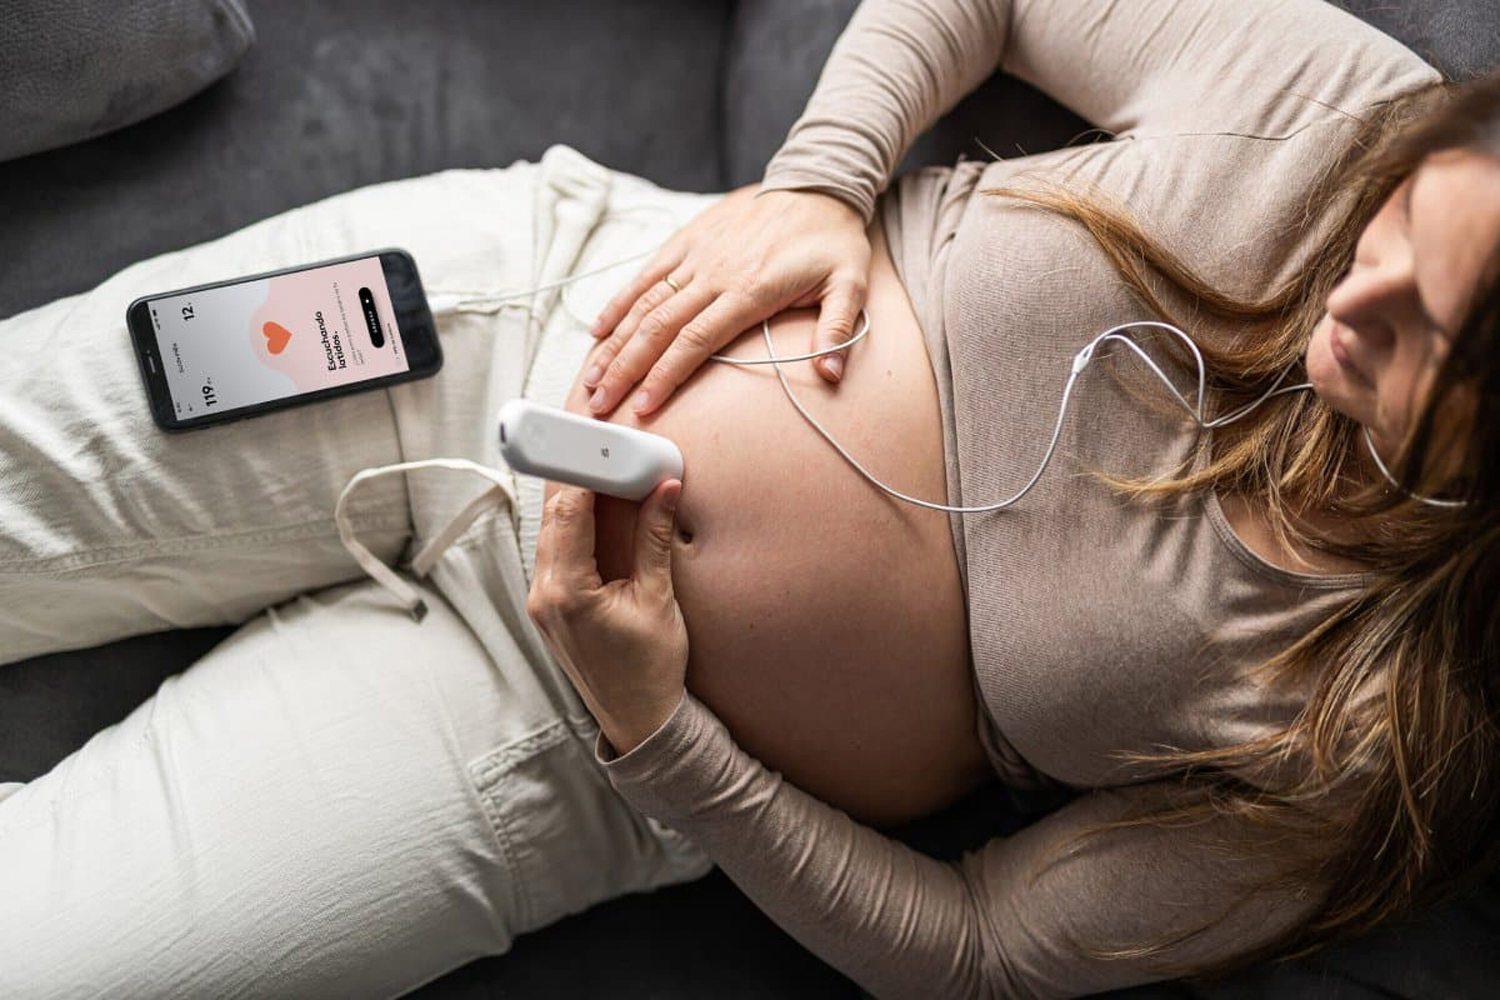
(502, 491)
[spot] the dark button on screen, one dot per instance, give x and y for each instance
(372, 318)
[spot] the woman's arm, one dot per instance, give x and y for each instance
(902, 924)
(1130, 66)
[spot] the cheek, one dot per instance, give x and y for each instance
(1404, 392)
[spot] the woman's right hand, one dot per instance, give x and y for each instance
(744, 259)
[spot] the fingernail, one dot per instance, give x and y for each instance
(640, 400)
(597, 399)
(593, 375)
(836, 366)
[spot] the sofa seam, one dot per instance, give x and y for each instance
(727, 36)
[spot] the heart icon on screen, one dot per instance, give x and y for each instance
(277, 337)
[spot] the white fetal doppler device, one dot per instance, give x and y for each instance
(554, 444)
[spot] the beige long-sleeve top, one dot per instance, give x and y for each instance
(1096, 626)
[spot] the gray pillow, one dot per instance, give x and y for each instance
(73, 69)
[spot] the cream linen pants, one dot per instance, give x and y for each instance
(337, 800)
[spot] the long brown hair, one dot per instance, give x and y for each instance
(1391, 803)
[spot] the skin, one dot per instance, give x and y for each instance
(622, 643)
(749, 256)
(1392, 320)
(1389, 325)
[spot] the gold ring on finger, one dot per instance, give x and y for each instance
(675, 286)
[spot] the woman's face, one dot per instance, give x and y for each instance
(1392, 319)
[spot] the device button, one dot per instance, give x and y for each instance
(372, 318)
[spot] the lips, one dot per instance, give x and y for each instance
(1341, 355)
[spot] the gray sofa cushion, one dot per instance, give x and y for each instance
(777, 49)
(74, 69)
(1459, 37)
(642, 87)
(342, 93)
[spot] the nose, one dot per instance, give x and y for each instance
(1369, 299)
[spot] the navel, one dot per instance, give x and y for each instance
(683, 528)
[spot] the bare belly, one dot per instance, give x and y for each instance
(826, 619)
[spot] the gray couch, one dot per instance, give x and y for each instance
(693, 94)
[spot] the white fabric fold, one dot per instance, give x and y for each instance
(503, 491)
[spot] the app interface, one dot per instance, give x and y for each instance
(247, 343)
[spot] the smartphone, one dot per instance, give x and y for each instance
(215, 353)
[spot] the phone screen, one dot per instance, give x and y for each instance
(252, 342)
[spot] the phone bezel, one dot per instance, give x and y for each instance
(414, 324)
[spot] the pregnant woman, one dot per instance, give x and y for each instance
(1263, 653)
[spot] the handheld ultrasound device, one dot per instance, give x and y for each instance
(554, 444)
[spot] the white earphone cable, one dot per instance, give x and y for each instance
(446, 301)
(456, 301)
(1081, 360)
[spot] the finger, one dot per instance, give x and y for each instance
(611, 346)
(545, 547)
(650, 299)
(700, 337)
(656, 331)
(682, 304)
(836, 319)
(654, 524)
(647, 303)
(668, 259)
(571, 555)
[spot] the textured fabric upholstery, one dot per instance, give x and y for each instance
(71, 70)
(694, 94)
(339, 94)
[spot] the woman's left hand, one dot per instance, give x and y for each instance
(624, 643)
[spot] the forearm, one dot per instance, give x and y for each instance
(897, 68)
(1148, 67)
(1028, 916)
(897, 922)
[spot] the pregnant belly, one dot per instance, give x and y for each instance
(826, 619)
